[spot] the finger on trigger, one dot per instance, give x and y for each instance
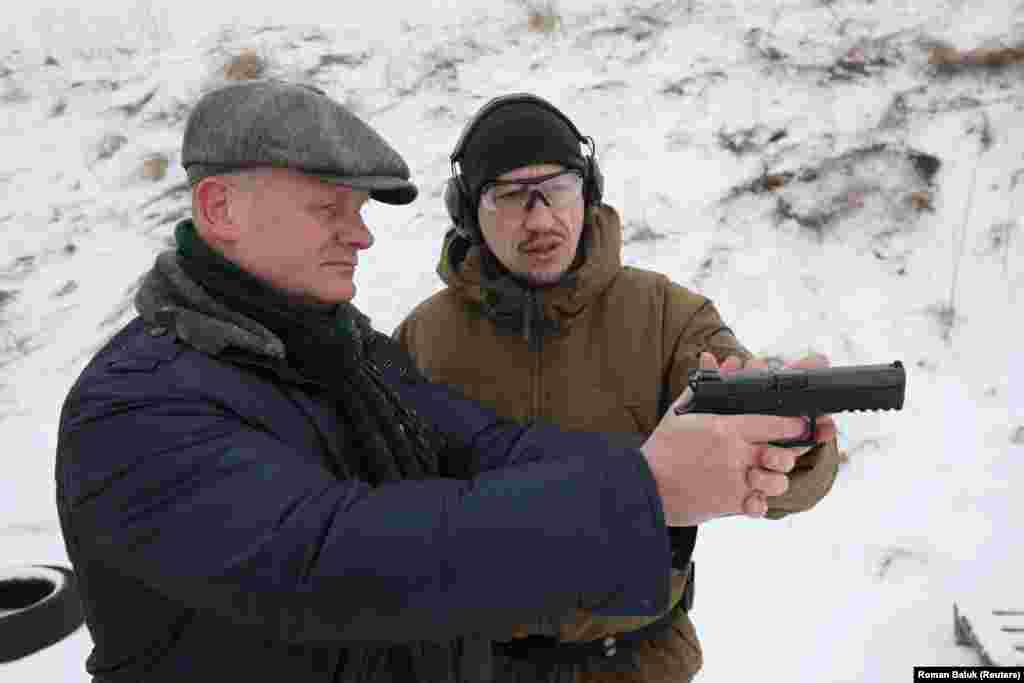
(826, 432)
(764, 428)
(708, 361)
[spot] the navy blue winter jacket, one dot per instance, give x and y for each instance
(211, 543)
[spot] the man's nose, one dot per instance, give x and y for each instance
(356, 234)
(538, 211)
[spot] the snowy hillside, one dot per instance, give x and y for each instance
(805, 164)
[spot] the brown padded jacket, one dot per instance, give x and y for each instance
(619, 340)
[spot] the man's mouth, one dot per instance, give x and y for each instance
(540, 248)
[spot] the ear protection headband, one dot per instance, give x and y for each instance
(459, 200)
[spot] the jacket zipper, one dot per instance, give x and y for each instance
(532, 305)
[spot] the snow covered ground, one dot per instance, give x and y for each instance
(800, 162)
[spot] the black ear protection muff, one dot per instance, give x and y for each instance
(457, 196)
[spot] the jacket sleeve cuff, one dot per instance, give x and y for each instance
(639, 552)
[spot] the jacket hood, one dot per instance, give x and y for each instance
(463, 268)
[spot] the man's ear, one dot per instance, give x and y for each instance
(212, 201)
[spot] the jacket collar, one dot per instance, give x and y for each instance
(168, 298)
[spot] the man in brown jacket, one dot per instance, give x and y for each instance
(540, 320)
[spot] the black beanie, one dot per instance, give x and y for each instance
(514, 135)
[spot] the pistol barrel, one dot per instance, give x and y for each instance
(793, 391)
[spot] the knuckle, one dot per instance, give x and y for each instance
(752, 479)
(782, 460)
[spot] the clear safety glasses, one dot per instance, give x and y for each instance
(558, 190)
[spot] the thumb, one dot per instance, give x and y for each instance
(708, 361)
(682, 403)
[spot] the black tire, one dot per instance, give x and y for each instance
(39, 606)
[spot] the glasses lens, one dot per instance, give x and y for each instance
(510, 197)
(559, 191)
(562, 190)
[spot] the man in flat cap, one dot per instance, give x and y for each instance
(253, 484)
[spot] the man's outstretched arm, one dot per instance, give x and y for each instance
(218, 515)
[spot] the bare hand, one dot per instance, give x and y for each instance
(771, 458)
(708, 466)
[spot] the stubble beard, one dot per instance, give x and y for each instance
(542, 278)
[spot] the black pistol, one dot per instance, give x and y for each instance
(799, 393)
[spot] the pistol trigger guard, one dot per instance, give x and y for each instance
(795, 443)
(806, 441)
(813, 436)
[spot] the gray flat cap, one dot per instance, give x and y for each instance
(275, 123)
